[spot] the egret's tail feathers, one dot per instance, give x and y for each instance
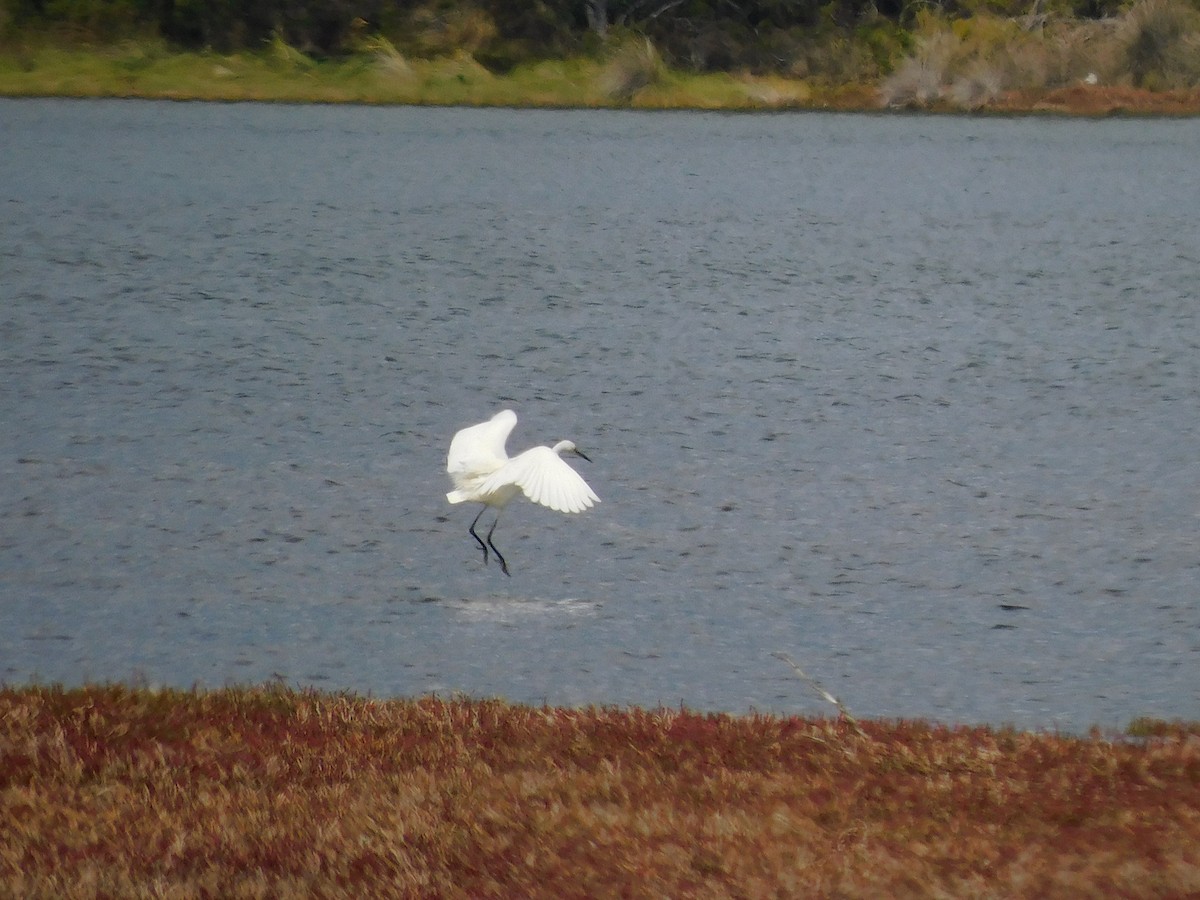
(457, 496)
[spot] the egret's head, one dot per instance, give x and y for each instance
(568, 448)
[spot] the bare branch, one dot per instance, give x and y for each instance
(824, 694)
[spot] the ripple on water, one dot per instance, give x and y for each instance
(924, 421)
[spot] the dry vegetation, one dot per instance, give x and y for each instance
(983, 61)
(108, 791)
(632, 65)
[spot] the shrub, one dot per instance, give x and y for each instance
(385, 56)
(977, 88)
(1081, 49)
(919, 79)
(440, 29)
(1161, 41)
(286, 56)
(970, 62)
(634, 64)
(103, 20)
(838, 58)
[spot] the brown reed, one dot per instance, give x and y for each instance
(270, 792)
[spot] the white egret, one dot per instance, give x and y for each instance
(483, 473)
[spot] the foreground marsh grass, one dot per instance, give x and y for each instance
(268, 792)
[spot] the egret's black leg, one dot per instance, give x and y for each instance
(503, 564)
(482, 545)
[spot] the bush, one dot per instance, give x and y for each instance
(968, 63)
(1161, 40)
(921, 78)
(1081, 49)
(440, 29)
(634, 64)
(104, 20)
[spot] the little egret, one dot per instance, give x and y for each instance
(483, 473)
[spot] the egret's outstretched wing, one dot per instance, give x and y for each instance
(544, 478)
(479, 449)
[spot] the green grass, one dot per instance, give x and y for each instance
(965, 79)
(382, 76)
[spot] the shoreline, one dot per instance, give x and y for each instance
(1096, 103)
(1063, 103)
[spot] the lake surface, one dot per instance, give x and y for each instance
(913, 400)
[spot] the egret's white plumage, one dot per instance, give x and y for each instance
(482, 472)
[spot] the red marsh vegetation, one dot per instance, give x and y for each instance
(107, 791)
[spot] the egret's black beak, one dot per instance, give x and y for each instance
(579, 452)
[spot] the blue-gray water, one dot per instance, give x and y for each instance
(913, 400)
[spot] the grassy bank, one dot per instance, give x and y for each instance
(383, 76)
(1065, 56)
(634, 78)
(106, 791)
